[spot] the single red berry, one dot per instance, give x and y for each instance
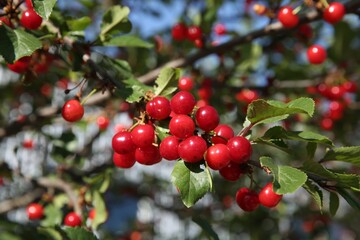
(149, 155)
(231, 172)
(199, 43)
(247, 96)
(102, 122)
(30, 19)
(72, 220)
(34, 211)
(223, 133)
(336, 92)
(169, 148)
(350, 86)
(21, 65)
(248, 200)
(267, 196)
(217, 156)
(125, 160)
(28, 143)
(186, 84)
(182, 126)
(220, 29)
(316, 54)
(334, 12)
(143, 135)
(194, 32)
(336, 110)
(182, 102)
(205, 93)
(240, 149)
(92, 214)
(179, 32)
(192, 149)
(287, 18)
(122, 142)
(305, 32)
(72, 111)
(207, 118)
(327, 124)
(158, 108)
(5, 20)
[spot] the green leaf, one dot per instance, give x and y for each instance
(53, 215)
(51, 233)
(101, 213)
(352, 201)
(79, 24)
(15, 44)
(162, 132)
(315, 192)
(286, 179)
(261, 111)
(206, 227)
(115, 20)
(101, 181)
(191, 181)
(319, 173)
(279, 132)
(78, 233)
(344, 154)
(134, 90)
(333, 203)
(44, 7)
(311, 149)
(167, 81)
(127, 41)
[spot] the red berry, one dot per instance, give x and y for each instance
(316, 54)
(186, 84)
(102, 122)
(34, 211)
(169, 148)
(29, 3)
(248, 200)
(220, 29)
(327, 124)
(336, 110)
(179, 32)
(223, 133)
(305, 32)
(247, 96)
(158, 108)
(205, 93)
(143, 135)
(336, 92)
(126, 160)
(72, 111)
(28, 144)
(182, 103)
(182, 126)
(20, 66)
(334, 12)
(287, 18)
(231, 172)
(217, 156)
(30, 19)
(199, 43)
(194, 32)
(192, 149)
(72, 220)
(207, 118)
(122, 143)
(6, 21)
(92, 214)
(240, 149)
(350, 86)
(149, 155)
(268, 197)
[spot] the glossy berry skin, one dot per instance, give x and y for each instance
(207, 118)
(186, 84)
(143, 135)
(30, 19)
(231, 172)
(182, 126)
(223, 133)
(34, 211)
(179, 32)
(149, 155)
(334, 12)
(122, 143)
(336, 92)
(287, 18)
(126, 160)
(316, 54)
(20, 66)
(268, 197)
(247, 200)
(72, 220)
(102, 122)
(217, 156)
(169, 148)
(240, 149)
(182, 102)
(192, 149)
(158, 108)
(72, 111)
(194, 32)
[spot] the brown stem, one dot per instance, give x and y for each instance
(20, 201)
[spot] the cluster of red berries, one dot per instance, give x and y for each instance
(38, 63)
(181, 32)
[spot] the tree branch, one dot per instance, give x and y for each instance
(20, 201)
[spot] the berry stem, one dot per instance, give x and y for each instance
(245, 130)
(88, 96)
(325, 3)
(297, 10)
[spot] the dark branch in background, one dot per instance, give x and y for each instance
(20, 201)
